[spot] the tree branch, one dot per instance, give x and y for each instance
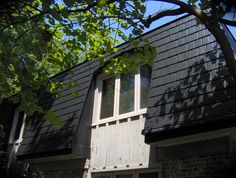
(176, 2)
(20, 36)
(183, 8)
(28, 4)
(193, 10)
(22, 21)
(88, 7)
(161, 14)
(227, 22)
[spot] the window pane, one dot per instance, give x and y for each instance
(126, 93)
(107, 103)
(103, 176)
(19, 125)
(145, 75)
(124, 176)
(148, 175)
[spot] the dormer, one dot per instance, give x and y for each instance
(122, 95)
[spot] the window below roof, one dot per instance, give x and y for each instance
(108, 95)
(147, 173)
(123, 95)
(18, 126)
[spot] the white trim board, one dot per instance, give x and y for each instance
(196, 137)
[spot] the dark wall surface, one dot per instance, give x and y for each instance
(42, 138)
(6, 119)
(190, 84)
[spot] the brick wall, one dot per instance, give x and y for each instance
(213, 166)
(64, 174)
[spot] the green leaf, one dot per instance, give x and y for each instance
(59, 6)
(56, 15)
(15, 14)
(46, 4)
(65, 13)
(59, 35)
(96, 44)
(69, 3)
(143, 8)
(53, 87)
(75, 94)
(115, 49)
(192, 1)
(124, 25)
(135, 43)
(101, 3)
(51, 117)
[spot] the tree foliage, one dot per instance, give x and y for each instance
(42, 37)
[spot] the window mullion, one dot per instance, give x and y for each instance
(22, 127)
(98, 99)
(137, 90)
(117, 96)
(13, 129)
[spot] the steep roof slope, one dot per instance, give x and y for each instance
(41, 137)
(191, 87)
(190, 84)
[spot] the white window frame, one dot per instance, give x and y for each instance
(135, 173)
(116, 115)
(13, 128)
(148, 171)
(102, 174)
(124, 173)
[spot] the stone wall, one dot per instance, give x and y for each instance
(65, 174)
(213, 166)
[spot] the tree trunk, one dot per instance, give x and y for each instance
(221, 38)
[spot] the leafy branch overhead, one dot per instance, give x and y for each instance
(40, 38)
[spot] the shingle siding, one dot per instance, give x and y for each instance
(42, 136)
(190, 80)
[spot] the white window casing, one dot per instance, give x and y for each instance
(116, 116)
(133, 173)
(15, 142)
(14, 127)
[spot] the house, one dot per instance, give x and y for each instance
(175, 119)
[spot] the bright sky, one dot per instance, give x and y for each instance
(152, 7)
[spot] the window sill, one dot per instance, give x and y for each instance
(15, 142)
(120, 117)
